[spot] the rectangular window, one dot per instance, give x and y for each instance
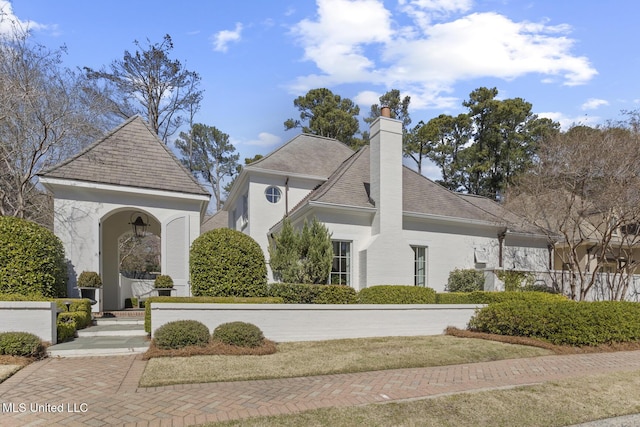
(245, 209)
(420, 265)
(341, 268)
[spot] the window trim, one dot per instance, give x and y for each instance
(417, 267)
(270, 193)
(348, 261)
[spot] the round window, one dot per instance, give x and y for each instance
(273, 194)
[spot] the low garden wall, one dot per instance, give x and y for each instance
(312, 322)
(36, 317)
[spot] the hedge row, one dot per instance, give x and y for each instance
(483, 297)
(21, 344)
(295, 293)
(395, 294)
(562, 322)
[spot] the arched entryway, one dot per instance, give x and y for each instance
(113, 226)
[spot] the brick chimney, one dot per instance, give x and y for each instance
(386, 172)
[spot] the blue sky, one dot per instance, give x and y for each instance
(576, 61)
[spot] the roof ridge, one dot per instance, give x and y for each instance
(173, 156)
(323, 188)
(281, 147)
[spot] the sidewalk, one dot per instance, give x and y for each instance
(98, 391)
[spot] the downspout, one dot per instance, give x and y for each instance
(286, 197)
(501, 237)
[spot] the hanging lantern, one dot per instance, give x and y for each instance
(139, 225)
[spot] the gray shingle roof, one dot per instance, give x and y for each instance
(131, 155)
(349, 186)
(306, 154)
(219, 219)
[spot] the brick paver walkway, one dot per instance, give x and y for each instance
(98, 391)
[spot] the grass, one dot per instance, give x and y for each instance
(553, 404)
(9, 365)
(331, 357)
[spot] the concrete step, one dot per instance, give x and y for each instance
(114, 330)
(100, 346)
(126, 317)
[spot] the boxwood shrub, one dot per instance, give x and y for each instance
(240, 334)
(482, 297)
(562, 322)
(465, 280)
(298, 293)
(66, 327)
(31, 259)
(396, 294)
(207, 300)
(227, 263)
(21, 344)
(181, 333)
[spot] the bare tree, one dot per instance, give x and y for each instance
(149, 83)
(43, 119)
(583, 188)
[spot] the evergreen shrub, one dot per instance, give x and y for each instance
(66, 328)
(396, 294)
(32, 259)
(465, 280)
(562, 322)
(181, 333)
(225, 263)
(240, 334)
(89, 279)
(483, 297)
(21, 344)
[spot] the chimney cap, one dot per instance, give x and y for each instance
(385, 112)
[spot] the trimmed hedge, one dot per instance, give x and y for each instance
(240, 334)
(32, 259)
(562, 322)
(227, 263)
(485, 297)
(66, 327)
(206, 300)
(181, 333)
(396, 294)
(21, 344)
(298, 293)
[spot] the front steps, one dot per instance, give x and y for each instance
(113, 334)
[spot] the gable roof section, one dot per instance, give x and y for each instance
(349, 186)
(305, 154)
(131, 155)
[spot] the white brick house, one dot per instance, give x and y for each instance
(389, 224)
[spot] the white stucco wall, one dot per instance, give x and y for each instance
(89, 222)
(35, 317)
(308, 322)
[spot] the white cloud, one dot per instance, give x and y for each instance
(9, 21)
(593, 103)
(265, 140)
(567, 122)
(360, 41)
(222, 38)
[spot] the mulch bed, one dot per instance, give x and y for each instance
(213, 348)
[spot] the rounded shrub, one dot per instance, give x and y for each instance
(467, 280)
(226, 262)
(181, 333)
(335, 294)
(21, 344)
(89, 279)
(31, 259)
(163, 282)
(240, 334)
(396, 294)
